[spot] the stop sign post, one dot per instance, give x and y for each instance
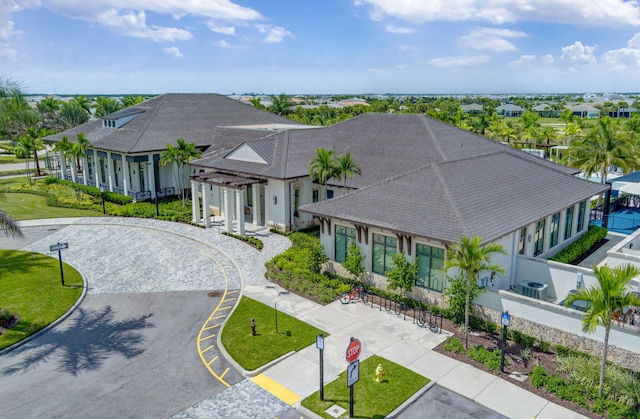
(352, 355)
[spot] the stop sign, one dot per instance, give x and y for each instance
(353, 350)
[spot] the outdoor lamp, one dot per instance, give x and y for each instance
(578, 280)
(275, 200)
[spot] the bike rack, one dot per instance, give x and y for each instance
(415, 318)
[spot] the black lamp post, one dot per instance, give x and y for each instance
(104, 210)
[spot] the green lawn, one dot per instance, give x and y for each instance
(31, 287)
(252, 352)
(372, 399)
(22, 206)
(8, 158)
(13, 181)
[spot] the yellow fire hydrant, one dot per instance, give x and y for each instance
(379, 372)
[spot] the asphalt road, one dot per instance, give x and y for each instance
(121, 353)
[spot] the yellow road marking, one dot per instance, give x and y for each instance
(207, 337)
(218, 317)
(213, 360)
(277, 389)
(206, 349)
(224, 373)
(226, 308)
(211, 327)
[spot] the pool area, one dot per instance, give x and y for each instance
(625, 220)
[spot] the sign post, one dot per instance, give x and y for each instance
(320, 346)
(353, 370)
(59, 246)
(506, 321)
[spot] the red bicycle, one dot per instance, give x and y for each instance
(355, 295)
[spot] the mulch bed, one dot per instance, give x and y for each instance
(513, 363)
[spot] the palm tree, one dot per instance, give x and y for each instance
(35, 136)
(79, 149)
(106, 105)
(603, 147)
(471, 258)
(179, 156)
(347, 167)
(64, 147)
(8, 226)
(129, 100)
(48, 109)
(323, 166)
(15, 113)
(83, 102)
(608, 296)
(72, 114)
(281, 104)
(255, 101)
(549, 134)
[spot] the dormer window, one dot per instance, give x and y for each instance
(118, 119)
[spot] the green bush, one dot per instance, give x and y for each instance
(257, 243)
(489, 358)
(581, 246)
(454, 345)
(538, 376)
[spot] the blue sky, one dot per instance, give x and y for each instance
(321, 46)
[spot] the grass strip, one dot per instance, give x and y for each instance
(31, 287)
(22, 206)
(268, 344)
(372, 399)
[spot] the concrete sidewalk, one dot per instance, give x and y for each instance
(394, 338)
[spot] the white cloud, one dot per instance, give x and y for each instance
(274, 34)
(399, 30)
(576, 12)
(173, 51)
(624, 59)
(528, 61)
(491, 39)
(224, 30)
(224, 44)
(634, 42)
(135, 25)
(460, 61)
(409, 48)
(6, 50)
(577, 54)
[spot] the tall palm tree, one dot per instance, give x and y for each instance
(323, 166)
(129, 100)
(471, 258)
(64, 147)
(603, 147)
(179, 156)
(15, 113)
(36, 144)
(79, 149)
(609, 295)
(83, 102)
(48, 109)
(347, 167)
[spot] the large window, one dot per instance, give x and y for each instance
(384, 247)
(430, 267)
(568, 223)
(581, 210)
(522, 240)
(343, 238)
(538, 240)
(315, 195)
(555, 229)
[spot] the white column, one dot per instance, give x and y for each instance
(63, 165)
(152, 176)
(206, 210)
(110, 170)
(85, 170)
(195, 203)
(94, 165)
(126, 182)
(228, 211)
(240, 211)
(256, 203)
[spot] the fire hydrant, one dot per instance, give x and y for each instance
(379, 372)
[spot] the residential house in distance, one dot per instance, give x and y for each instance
(472, 109)
(510, 110)
(545, 111)
(585, 111)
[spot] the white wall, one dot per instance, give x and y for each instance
(277, 214)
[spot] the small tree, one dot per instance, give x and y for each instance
(456, 293)
(354, 262)
(403, 274)
(470, 258)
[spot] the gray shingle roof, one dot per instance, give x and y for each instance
(489, 195)
(165, 118)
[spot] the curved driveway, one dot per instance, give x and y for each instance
(130, 348)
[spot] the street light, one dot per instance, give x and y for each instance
(104, 210)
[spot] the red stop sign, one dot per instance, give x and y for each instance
(353, 350)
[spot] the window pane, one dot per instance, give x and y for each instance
(568, 225)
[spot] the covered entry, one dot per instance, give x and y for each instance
(232, 196)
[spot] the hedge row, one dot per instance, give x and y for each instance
(581, 246)
(116, 198)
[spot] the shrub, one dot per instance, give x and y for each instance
(538, 376)
(257, 243)
(489, 358)
(581, 246)
(454, 345)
